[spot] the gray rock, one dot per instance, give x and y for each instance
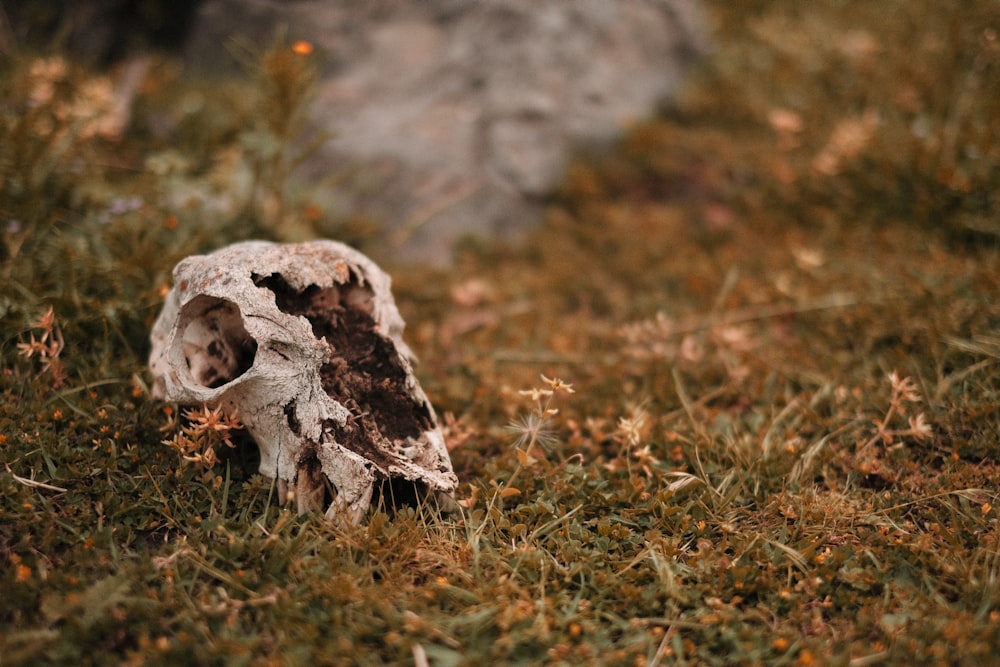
(456, 116)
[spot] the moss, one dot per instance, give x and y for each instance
(776, 303)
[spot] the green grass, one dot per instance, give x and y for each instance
(776, 303)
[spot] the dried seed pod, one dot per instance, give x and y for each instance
(304, 341)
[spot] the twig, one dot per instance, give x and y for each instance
(765, 312)
(870, 659)
(32, 483)
(661, 650)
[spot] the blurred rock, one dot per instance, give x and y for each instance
(456, 117)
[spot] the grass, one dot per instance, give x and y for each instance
(775, 303)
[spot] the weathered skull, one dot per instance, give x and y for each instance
(304, 342)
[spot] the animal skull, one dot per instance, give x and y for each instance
(304, 342)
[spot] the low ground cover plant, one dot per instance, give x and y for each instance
(736, 401)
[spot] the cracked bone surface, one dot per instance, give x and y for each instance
(304, 342)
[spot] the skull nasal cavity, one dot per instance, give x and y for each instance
(216, 346)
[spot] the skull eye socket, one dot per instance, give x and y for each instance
(216, 346)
